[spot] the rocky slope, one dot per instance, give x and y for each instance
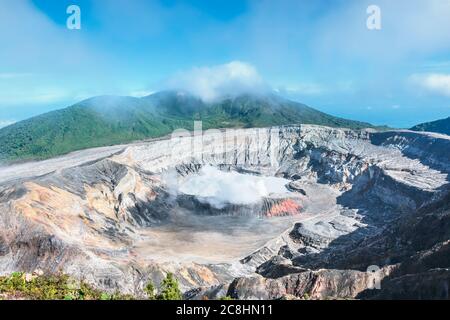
(439, 126)
(115, 217)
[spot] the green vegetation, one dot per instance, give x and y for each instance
(150, 291)
(439, 126)
(306, 296)
(103, 121)
(169, 289)
(56, 287)
(21, 285)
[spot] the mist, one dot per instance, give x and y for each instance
(218, 188)
(213, 83)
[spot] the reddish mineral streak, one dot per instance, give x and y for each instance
(286, 207)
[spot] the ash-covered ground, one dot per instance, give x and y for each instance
(266, 213)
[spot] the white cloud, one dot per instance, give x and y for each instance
(38, 45)
(219, 188)
(410, 28)
(433, 82)
(211, 83)
(39, 55)
(4, 123)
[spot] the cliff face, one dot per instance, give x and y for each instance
(116, 217)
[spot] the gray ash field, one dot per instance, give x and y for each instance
(288, 212)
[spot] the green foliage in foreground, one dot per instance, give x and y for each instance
(150, 291)
(169, 289)
(55, 287)
(20, 285)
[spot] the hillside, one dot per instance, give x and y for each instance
(120, 221)
(438, 126)
(109, 120)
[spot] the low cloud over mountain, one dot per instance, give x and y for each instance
(213, 83)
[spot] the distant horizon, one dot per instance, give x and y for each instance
(6, 123)
(395, 72)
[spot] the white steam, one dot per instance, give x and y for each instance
(212, 83)
(219, 188)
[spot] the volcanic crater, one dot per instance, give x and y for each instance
(254, 213)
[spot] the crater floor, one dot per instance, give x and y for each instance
(297, 209)
(189, 237)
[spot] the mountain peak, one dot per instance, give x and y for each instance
(107, 120)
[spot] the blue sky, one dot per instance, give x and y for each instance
(316, 52)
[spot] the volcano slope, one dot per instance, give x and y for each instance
(281, 212)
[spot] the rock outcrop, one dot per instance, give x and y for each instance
(355, 199)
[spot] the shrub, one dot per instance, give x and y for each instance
(53, 287)
(150, 290)
(59, 287)
(170, 289)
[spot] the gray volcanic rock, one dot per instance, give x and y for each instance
(116, 218)
(319, 235)
(319, 284)
(296, 186)
(431, 284)
(278, 266)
